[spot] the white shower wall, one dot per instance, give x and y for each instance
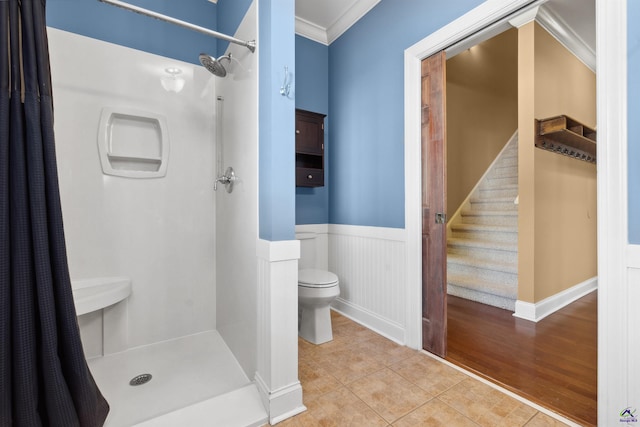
(237, 212)
(159, 232)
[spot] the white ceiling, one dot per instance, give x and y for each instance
(325, 20)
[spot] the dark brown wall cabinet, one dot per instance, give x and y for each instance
(309, 149)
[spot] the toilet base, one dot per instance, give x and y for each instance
(315, 324)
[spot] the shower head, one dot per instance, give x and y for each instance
(214, 65)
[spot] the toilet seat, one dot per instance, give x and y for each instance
(313, 278)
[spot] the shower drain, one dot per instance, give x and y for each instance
(140, 379)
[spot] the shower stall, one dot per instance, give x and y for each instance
(141, 140)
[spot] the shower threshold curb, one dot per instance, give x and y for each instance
(239, 408)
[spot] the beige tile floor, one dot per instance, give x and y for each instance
(363, 379)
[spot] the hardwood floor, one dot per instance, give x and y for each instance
(552, 362)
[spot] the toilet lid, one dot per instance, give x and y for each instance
(313, 278)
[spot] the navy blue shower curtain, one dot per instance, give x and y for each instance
(44, 378)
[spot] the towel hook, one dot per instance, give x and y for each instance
(286, 87)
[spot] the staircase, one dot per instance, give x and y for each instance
(482, 244)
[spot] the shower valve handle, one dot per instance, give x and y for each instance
(223, 179)
(227, 179)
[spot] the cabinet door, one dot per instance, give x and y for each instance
(309, 132)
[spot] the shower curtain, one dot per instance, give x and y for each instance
(44, 378)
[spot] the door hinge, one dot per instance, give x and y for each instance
(441, 218)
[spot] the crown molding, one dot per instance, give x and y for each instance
(327, 36)
(558, 28)
(311, 31)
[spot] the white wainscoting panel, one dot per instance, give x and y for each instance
(370, 264)
(277, 373)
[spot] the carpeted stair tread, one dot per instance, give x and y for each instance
(501, 204)
(484, 227)
(489, 212)
(482, 244)
(490, 265)
(503, 187)
(484, 286)
(505, 303)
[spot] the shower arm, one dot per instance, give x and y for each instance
(251, 45)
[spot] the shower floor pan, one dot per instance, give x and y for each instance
(195, 381)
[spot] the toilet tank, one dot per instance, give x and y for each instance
(313, 250)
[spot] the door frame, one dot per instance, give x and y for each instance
(615, 387)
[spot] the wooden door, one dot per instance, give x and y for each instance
(434, 228)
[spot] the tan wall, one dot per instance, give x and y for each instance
(482, 111)
(565, 188)
(526, 188)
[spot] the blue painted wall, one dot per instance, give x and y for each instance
(312, 94)
(633, 90)
(230, 15)
(105, 22)
(276, 46)
(366, 101)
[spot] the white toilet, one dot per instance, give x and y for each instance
(317, 288)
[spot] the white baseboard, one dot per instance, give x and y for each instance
(538, 311)
(370, 320)
(283, 403)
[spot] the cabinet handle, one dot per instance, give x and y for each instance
(298, 131)
(309, 176)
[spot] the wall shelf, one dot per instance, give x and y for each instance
(133, 143)
(566, 136)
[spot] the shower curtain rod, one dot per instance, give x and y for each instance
(251, 45)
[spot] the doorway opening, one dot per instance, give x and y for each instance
(550, 175)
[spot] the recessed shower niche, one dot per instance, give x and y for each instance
(133, 143)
